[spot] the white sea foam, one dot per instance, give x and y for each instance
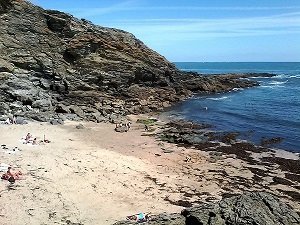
(278, 82)
(295, 76)
(217, 99)
(280, 76)
(259, 77)
(272, 87)
(238, 89)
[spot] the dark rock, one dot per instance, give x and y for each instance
(21, 120)
(289, 165)
(62, 109)
(76, 110)
(60, 121)
(80, 126)
(40, 117)
(4, 108)
(43, 104)
(53, 122)
(72, 117)
(250, 208)
(167, 151)
(271, 141)
(121, 129)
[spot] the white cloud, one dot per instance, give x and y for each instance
(189, 28)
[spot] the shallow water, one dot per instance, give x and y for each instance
(270, 110)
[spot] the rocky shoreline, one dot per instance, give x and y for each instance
(224, 144)
(55, 66)
(274, 171)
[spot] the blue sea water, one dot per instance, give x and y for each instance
(269, 110)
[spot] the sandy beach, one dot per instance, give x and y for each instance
(98, 176)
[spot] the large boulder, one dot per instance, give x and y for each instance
(251, 208)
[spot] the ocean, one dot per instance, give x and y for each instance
(270, 110)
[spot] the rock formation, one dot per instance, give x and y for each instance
(258, 208)
(52, 63)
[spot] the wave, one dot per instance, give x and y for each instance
(217, 99)
(280, 76)
(238, 89)
(260, 77)
(272, 86)
(278, 82)
(287, 76)
(295, 76)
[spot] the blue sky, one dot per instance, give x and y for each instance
(200, 30)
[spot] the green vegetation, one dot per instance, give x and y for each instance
(147, 122)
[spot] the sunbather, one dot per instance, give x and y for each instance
(11, 176)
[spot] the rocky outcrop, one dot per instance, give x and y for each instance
(250, 208)
(52, 64)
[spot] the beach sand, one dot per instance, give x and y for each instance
(98, 176)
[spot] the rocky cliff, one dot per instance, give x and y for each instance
(257, 208)
(52, 63)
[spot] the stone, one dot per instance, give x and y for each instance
(60, 121)
(21, 120)
(43, 104)
(80, 126)
(53, 122)
(62, 109)
(40, 117)
(121, 129)
(72, 117)
(6, 66)
(4, 108)
(76, 110)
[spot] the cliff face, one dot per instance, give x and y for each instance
(51, 62)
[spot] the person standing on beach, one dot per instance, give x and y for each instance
(14, 120)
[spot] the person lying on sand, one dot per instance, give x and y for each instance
(11, 176)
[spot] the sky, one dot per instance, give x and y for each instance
(200, 30)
